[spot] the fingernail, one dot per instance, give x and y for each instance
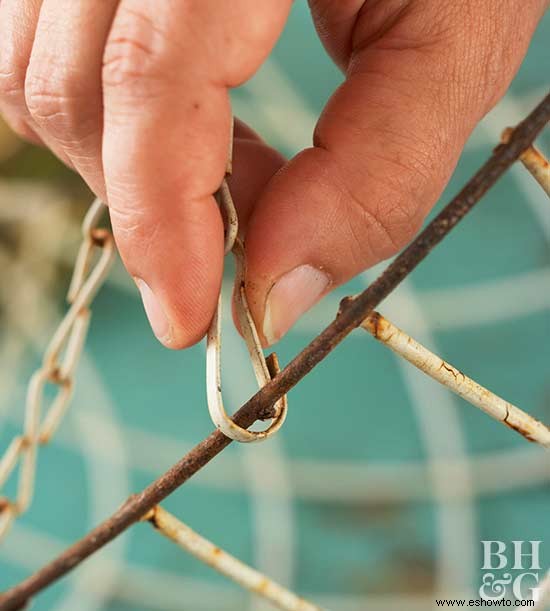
(155, 313)
(292, 295)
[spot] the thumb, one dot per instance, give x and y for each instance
(417, 82)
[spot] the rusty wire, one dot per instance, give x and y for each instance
(58, 367)
(353, 311)
(535, 162)
(406, 347)
(225, 563)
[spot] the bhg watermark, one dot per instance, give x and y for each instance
(511, 570)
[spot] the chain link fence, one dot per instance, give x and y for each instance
(60, 361)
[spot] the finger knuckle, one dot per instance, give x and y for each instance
(132, 225)
(399, 223)
(132, 54)
(52, 100)
(390, 223)
(10, 84)
(12, 78)
(392, 208)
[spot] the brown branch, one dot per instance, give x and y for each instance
(352, 312)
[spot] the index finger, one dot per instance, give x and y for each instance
(167, 120)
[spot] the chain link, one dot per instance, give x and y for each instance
(58, 366)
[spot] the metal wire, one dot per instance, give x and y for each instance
(225, 563)
(456, 381)
(535, 162)
(58, 367)
(264, 369)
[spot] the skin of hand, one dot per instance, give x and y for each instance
(133, 94)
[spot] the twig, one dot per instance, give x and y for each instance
(224, 563)
(418, 355)
(353, 310)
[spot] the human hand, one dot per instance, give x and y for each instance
(133, 94)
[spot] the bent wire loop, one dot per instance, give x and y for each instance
(264, 369)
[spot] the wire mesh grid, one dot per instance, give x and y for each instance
(59, 370)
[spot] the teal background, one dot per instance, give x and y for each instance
(379, 489)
